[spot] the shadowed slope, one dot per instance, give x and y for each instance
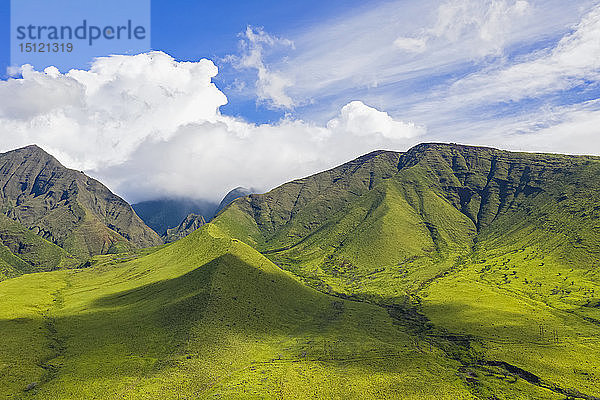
(22, 251)
(209, 316)
(498, 247)
(187, 226)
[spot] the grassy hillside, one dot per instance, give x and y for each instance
(22, 251)
(446, 272)
(499, 249)
(207, 317)
(66, 207)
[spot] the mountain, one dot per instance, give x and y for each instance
(443, 272)
(206, 317)
(187, 226)
(22, 251)
(426, 206)
(163, 214)
(231, 196)
(66, 207)
(501, 249)
(194, 221)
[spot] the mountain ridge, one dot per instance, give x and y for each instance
(66, 207)
(442, 272)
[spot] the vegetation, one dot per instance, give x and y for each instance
(22, 251)
(206, 317)
(446, 272)
(66, 207)
(498, 248)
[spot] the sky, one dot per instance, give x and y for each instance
(258, 93)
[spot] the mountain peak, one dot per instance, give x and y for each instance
(32, 154)
(422, 147)
(187, 226)
(233, 194)
(65, 206)
(31, 149)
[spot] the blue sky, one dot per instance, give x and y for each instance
(207, 30)
(304, 86)
(191, 30)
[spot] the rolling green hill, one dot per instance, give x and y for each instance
(446, 272)
(207, 317)
(499, 248)
(66, 207)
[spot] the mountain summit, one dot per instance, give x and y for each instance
(421, 209)
(66, 207)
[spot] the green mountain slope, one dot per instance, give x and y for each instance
(207, 317)
(66, 207)
(365, 217)
(22, 251)
(499, 248)
(446, 272)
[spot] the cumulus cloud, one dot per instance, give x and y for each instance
(97, 117)
(362, 120)
(150, 126)
(270, 85)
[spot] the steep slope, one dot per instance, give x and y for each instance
(187, 226)
(207, 317)
(362, 218)
(66, 207)
(163, 214)
(231, 196)
(457, 272)
(22, 251)
(485, 183)
(500, 249)
(413, 214)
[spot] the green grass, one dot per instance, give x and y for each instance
(499, 249)
(22, 251)
(207, 317)
(447, 272)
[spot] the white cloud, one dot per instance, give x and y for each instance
(97, 117)
(362, 120)
(490, 21)
(567, 129)
(378, 50)
(574, 60)
(486, 25)
(150, 126)
(270, 85)
(414, 45)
